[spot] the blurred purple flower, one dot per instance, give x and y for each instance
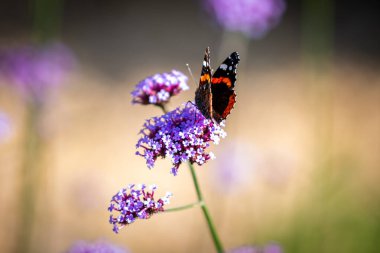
(235, 167)
(182, 135)
(270, 248)
(34, 70)
(5, 127)
(96, 247)
(159, 88)
(254, 18)
(135, 203)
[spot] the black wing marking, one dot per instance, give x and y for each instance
(228, 68)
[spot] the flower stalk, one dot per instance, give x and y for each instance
(30, 176)
(210, 224)
(214, 234)
(180, 208)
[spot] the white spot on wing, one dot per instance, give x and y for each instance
(223, 66)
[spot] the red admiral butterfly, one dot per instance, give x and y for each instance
(215, 96)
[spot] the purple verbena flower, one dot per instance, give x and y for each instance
(5, 128)
(270, 248)
(135, 202)
(159, 88)
(182, 135)
(254, 18)
(96, 247)
(34, 70)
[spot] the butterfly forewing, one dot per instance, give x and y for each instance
(227, 69)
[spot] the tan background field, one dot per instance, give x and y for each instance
(304, 138)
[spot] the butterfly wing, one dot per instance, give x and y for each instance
(222, 87)
(203, 95)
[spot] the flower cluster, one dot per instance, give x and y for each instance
(96, 247)
(270, 248)
(36, 69)
(158, 89)
(182, 135)
(135, 203)
(254, 18)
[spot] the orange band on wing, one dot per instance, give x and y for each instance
(205, 78)
(225, 80)
(230, 105)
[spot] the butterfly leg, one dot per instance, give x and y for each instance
(190, 102)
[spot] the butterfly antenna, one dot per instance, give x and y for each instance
(191, 73)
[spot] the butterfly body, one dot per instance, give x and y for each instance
(215, 95)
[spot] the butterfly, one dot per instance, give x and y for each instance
(215, 95)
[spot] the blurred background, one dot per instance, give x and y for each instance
(299, 166)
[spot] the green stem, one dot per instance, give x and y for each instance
(215, 237)
(174, 209)
(214, 234)
(47, 18)
(29, 178)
